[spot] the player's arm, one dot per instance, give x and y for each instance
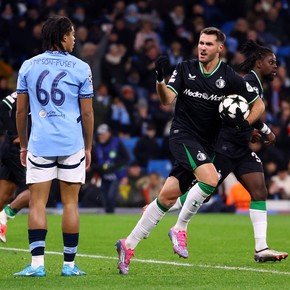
(21, 119)
(88, 126)
(257, 108)
(21, 124)
(165, 94)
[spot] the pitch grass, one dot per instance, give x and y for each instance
(220, 247)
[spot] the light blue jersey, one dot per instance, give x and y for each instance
(55, 81)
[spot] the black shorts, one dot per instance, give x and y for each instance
(239, 166)
(11, 168)
(189, 154)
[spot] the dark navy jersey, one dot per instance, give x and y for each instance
(231, 142)
(254, 81)
(7, 115)
(199, 95)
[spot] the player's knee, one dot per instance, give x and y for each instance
(211, 180)
(259, 193)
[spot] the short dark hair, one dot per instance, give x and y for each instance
(53, 31)
(214, 31)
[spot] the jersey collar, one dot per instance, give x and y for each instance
(258, 79)
(56, 52)
(209, 74)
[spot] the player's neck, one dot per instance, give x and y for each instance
(209, 67)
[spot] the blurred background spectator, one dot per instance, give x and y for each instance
(109, 161)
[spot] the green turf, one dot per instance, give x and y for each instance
(220, 247)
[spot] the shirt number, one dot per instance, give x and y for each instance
(56, 95)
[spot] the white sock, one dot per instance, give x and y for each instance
(37, 261)
(193, 202)
(259, 221)
(150, 218)
(71, 264)
(3, 217)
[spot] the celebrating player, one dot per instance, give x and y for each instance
(234, 155)
(12, 173)
(58, 88)
(198, 86)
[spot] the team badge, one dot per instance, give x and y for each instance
(220, 83)
(201, 156)
(42, 113)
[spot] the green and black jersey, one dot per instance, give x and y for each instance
(199, 95)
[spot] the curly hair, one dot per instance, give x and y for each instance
(253, 52)
(53, 31)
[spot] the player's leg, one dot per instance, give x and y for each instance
(150, 218)
(224, 167)
(10, 211)
(40, 173)
(254, 182)
(7, 188)
(14, 176)
(207, 181)
(71, 174)
(70, 227)
(195, 159)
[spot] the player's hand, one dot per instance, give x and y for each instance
(238, 122)
(270, 139)
(255, 136)
(88, 158)
(23, 156)
(160, 64)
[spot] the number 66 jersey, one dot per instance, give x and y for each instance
(54, 82)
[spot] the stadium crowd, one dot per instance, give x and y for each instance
(121, 41)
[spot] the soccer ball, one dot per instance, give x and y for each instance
(228, 106)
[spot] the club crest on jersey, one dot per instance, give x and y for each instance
(200, 156)
(220, 83)
(42, 113)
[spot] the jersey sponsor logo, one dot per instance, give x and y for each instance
(205, 96)
(191, 77)
(172, 79)
(249, 88)
(200, 156)
(55, 114)
(220, 83)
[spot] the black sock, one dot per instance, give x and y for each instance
(70, 242)
(37, 241)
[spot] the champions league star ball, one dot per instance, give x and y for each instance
(229, 105)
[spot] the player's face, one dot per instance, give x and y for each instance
(268, 67)
(69, 41)
(208, 48)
